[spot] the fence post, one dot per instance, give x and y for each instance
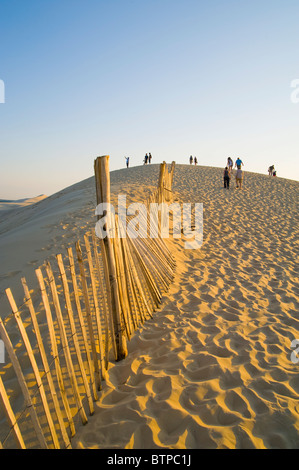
(172, 168)
(102, 180)
(161, 183)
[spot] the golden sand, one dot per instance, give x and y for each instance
(212, 368)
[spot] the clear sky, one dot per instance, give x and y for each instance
(85, 78)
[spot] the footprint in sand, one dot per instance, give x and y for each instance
(214, 415)
(237, 404)
(9, 274)
(162, 387)
(33, 262)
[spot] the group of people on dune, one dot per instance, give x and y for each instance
(271, 171)
(191, 160)
(228, 170)
(239, 173)
(147, 159)
(228, 173)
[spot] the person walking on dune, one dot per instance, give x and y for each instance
(239, 178)
(239, 163)
(230, 165)
(191, 159)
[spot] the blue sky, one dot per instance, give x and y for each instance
(125, 77)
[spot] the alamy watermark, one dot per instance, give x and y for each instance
(295, 353)
(295, 93)
(2, 352)
(2, 92)
(187, 219)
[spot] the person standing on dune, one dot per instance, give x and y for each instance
(270, 170)
(226, 178)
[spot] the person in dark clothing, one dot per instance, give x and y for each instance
(226, 178)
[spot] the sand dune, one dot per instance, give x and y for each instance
(7, 205)
(212, 368)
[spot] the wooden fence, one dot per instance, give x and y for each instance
(87, 306)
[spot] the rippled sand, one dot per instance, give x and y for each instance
(212, 368)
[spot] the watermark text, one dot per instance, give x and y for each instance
(141, 221)
(295, 93)
(2, 352)
(2, 92)
(295, 353)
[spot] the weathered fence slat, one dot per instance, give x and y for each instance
(34, 366)
(122, 288)
(96, 304)
(108, 290)
(102, 295)
(54, 347)
(139, 290)
(65, 344)
(10, 416)
(96, 361)
(74, 332)
(131, 288)
(45, 364)
(124, 284)
(23, 385)
(82, 324)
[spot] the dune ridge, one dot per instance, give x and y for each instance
(7, 204)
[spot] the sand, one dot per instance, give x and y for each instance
(212, 368)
